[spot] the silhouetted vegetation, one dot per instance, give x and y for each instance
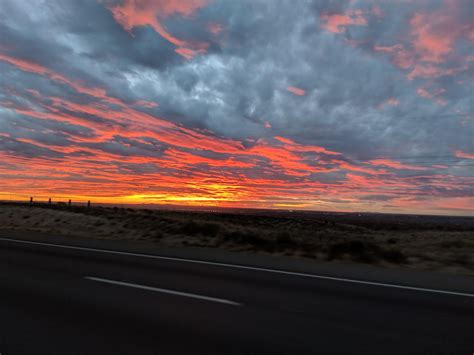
(414, 241)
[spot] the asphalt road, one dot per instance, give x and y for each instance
(76, 300)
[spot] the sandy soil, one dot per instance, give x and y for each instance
(426, 243)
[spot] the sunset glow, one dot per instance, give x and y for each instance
(369, 108)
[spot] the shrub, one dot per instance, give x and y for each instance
(366, 252)
(206, 229)
(393, 256)
(285, 241)
(356, 249)
(246, 237)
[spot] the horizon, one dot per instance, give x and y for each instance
(352, 106)
(217, 209)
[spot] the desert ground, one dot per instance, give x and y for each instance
(420, 242)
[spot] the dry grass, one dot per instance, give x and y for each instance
(433, 243)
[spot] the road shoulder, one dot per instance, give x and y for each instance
(411, 278)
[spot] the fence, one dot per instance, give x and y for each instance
(59, 201)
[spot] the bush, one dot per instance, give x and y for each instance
(285, 241)
(356, 249)
(246, 237)
(194, 228)
(393, 256)
(366, 252)
(350, 247)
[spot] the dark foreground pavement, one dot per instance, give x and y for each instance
(56, 300)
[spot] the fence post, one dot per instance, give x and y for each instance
(31, 200)
(89, 204)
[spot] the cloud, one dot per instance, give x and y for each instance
(391, 101)
(338, 23)
(136, 13)
(296, 91)
(215, 28)
(319, 105)
(464, 155)
(395, 164)
(435, 33)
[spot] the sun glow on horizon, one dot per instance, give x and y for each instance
(167, 102)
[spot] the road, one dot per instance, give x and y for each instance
(58, 298)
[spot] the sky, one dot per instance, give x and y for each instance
(362, 105)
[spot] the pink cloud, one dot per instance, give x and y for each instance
(377, 11)
(400, 55)
(391, 101)
(423, 93)
(464, 155)
(429, 51)
(214, 28)
(136, 13)
(395, 164)
(33, 92)
(357, 168)
(337, 23)
(284, 140)
(31, 67)
(147, 104)
(24, 65)
(296, 91)
(434, 95)
(421, 70)
(434, 35)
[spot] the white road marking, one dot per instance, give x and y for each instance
(236, 266)
(164, 290)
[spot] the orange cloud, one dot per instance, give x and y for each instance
(192, 159)
(108, 181)
(296, 91)
(361, 169)
(284, 140)
(295, 147)
(136, 13)
(182, 165)
(31, 67)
